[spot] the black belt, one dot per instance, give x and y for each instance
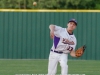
(57, 51)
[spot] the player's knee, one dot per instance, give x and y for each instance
(63, 64)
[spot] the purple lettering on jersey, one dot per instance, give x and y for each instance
(56, 41)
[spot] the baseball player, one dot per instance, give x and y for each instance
(64, 42)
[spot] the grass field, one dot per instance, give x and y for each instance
(29, 67)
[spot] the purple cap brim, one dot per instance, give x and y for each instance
(73, 20)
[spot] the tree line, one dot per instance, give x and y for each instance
(50, 4)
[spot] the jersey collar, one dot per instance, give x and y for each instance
(68, 32)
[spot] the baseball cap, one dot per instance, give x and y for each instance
(73, 20)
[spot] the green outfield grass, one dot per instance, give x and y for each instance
(29, 67)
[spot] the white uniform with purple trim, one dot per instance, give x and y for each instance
(60, 49)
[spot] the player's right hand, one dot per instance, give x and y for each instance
(51, 34)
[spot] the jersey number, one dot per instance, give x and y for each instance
(70, 48)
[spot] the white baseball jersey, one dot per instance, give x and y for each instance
(60, 35)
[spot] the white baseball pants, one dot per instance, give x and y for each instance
(54, 58)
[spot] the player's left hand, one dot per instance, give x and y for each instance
(79, 52)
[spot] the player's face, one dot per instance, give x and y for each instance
(71, 26)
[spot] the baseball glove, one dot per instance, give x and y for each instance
(79, 52)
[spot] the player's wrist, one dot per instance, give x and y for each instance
(52, 27)
(51, 31)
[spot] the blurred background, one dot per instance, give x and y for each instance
(24, 35)
(50, 4)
